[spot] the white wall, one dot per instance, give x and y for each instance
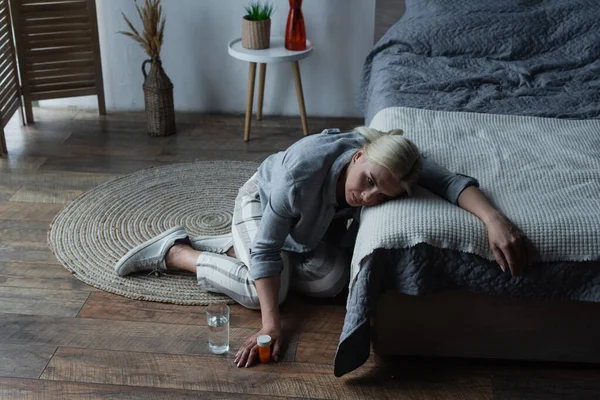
(207, 79)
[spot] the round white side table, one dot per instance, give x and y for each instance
(275, 54)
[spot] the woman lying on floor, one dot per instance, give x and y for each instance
(288, 218)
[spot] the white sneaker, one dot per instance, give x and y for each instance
(150, 255)
(213, 244)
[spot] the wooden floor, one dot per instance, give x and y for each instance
(62, 339)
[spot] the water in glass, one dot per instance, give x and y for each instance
(218, 330)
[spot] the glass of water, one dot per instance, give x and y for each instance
(217, 317)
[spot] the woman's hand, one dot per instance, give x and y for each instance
(248, 352)
(509, 245)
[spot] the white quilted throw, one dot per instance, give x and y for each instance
(543, 173)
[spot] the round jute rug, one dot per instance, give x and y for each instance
(90, 235)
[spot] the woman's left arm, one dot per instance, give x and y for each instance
(508, 244)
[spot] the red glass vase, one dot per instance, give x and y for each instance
(295, 32)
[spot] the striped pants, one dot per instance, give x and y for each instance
(323, 272)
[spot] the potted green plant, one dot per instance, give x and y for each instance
(158, 89)
(256, 25)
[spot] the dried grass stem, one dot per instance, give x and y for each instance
(153, 21)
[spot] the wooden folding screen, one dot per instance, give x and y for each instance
(10, 100)
(58, 50)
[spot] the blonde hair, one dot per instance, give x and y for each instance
(396, 153)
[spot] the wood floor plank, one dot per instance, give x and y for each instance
(113, 335)
(12, 164)
(48, 302)
(23, 361)
(516, 369)
(317, 348)
(58, 179)
(46, 115)
(23, 231)
(98, 163)
(43, 131)
(33, 194)
(17, 211)
(532, 388)
(25, 252)
(191, 154)
(130, 142)
(104, 130)
(40, 275)
(44, 139)
(221, 375)
(268, 137)
(53, 186)
(36, 389)
(223, 123)
(47, 132)
(320, 348)
(271, 140)
(6, 194)
(33, 147)
(131, 151)
(119, 116)
(298, 315)
(102, 305)
(314, 316)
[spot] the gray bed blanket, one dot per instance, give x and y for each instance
(518, 57)
(424, 269)
(543, 173)
(527, 57)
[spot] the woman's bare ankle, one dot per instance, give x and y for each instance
(231, 252)
(182, 256)
(171, 259)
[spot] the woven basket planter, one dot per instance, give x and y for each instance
(256, 34)
(158, 98)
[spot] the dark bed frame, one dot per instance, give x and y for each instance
(459, 323)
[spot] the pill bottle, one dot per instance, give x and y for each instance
(264, 348)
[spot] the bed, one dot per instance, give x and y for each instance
(509, 92)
